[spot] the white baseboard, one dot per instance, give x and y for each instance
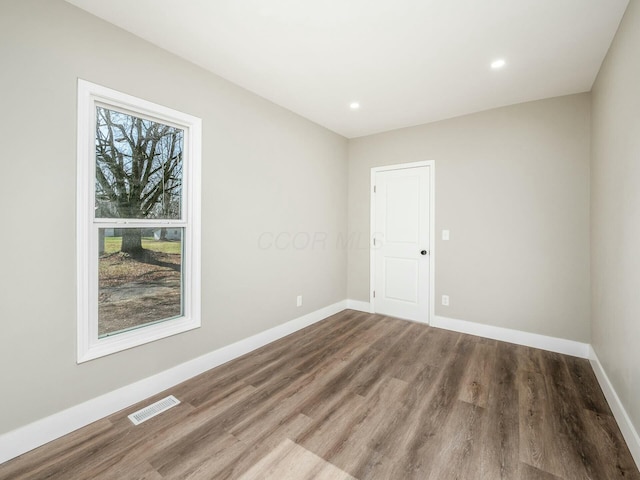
(629, 432)
(38, 433)
(543, 342)
(359, 305)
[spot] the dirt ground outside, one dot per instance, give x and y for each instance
(134, 292)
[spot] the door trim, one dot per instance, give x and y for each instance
(432, 210)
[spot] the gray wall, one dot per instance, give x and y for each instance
(512, 186)
(615, 206)
(264, 170)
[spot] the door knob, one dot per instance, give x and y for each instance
(423, 252)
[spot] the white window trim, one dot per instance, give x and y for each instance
(89, 346)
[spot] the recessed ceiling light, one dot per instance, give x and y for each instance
(496, 64)
(354, 105)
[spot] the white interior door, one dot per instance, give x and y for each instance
(401, 242)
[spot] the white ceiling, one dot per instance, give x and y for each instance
(406, 62)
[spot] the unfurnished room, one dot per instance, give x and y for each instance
(338, 239)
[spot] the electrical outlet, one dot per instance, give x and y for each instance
(445, 300)
(299, 301)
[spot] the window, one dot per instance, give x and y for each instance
(138, 221)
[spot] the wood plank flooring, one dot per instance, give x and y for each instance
(361, 396)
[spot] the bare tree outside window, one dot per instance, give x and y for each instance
(139, 165)
(138, 171)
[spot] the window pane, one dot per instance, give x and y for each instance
(139, 277)
(138, 167)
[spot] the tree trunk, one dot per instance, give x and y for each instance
(132, 241)
(100, 241)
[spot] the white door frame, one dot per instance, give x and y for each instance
(432, 236)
